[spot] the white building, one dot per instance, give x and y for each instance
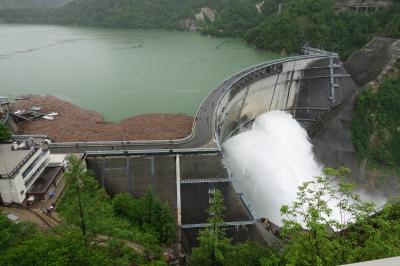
(19, 169)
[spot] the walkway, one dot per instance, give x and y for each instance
(203, 131)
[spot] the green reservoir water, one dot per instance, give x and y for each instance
(119, 73)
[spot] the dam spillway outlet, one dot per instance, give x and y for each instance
(269, 162)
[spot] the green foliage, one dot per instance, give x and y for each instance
(87, 205)
(83, 193)
(251, 254)
(4, 133)
(310, 22)
(358, 237)
(378, 236)
(13, 234)
(314, 23)
(21, 244)
(214, 245)
(233, 19)
(49, 249)
(147, 213)
(136, 14)
(12, 4)
(376, 124)
(277, 33)
(216, 249)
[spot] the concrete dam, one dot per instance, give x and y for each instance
(184, 172)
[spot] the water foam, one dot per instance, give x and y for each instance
(270, 161)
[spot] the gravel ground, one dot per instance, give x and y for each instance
(76, 124)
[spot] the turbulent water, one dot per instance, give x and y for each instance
(270, 161)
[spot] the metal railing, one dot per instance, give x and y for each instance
(224, 86)
(253, 69)
(16, 169)
(225, 224)
(205, 180)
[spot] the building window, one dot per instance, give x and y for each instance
(32, 177)
(30, 167)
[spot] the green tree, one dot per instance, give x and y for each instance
(100, 217)
(315, 236)
(378, 236)
(49, 249)
(12, 234)
(214, 245)
(252, 254)
(4, 133)
(149, 213)
(74, 175)
(376, 123)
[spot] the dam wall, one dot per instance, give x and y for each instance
(185, 182)
(184, 173)
(136, 174)
(239, 98)
(307, 87)
(269, 88)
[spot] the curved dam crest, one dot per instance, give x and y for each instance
(286, 84)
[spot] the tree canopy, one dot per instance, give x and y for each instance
(95, 229)
(327, 224)
(376, 123)
(4, 133)
(310, 22)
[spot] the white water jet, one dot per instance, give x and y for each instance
(270, 161)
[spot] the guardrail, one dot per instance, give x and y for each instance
(151, 152)
(14, 171)
(35, 136)
(225, 224)
(254, 69)
(225, 86)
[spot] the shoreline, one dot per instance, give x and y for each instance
(75, 124)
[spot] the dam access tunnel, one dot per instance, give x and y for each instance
(184, 182)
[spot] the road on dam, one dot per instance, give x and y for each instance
(204, 126)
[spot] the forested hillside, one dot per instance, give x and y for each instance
(312, 22)
(315, 23)
(149, 14)
(376, 123)
(8, 4)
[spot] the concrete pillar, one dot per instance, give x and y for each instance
(128, 176)
(153, 177)
(178, 190)
(102, 169)
(178, 204)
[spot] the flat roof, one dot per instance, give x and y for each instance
(57, 158)
(10, 159)
(46, 178)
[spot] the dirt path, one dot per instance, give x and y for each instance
(25, 215)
